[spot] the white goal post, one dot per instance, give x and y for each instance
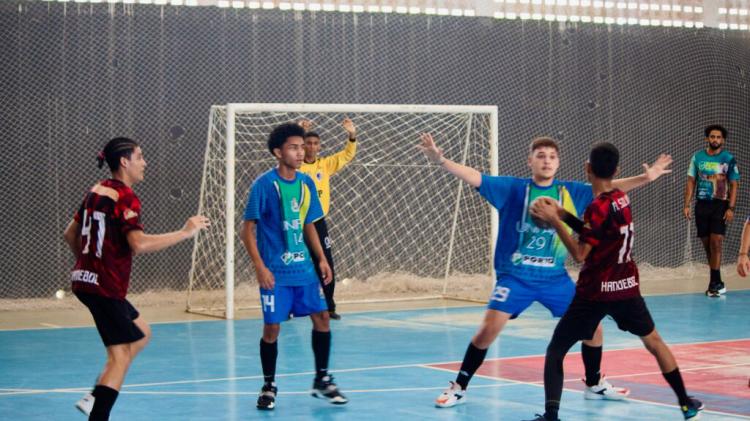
(392, 213)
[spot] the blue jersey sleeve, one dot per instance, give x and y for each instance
(315, 211)
(496, 189)
(582, 194)
(253, 208)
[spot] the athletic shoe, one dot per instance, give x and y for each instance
(605, 390)
(721, 289)
(452, 396)
(716, 289)
(267, 397)
(692, 411)
(86, 404)
(325, 388)
(541, 418)
(334, 316)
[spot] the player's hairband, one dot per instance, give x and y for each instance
(100, 155)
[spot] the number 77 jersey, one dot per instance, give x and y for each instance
(110, 210)
(609, 273)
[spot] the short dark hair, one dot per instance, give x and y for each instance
(281, 133)
(707, 131)
(115, 149)
(543, 142)
(603, 159)
(312, 134)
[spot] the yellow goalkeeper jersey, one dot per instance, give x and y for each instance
(324, 167)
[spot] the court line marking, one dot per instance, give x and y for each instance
(508, 383)
(431, 365)
(354, 313)
(502, 382)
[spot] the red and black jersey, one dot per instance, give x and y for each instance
(609, 273)
(109, 211)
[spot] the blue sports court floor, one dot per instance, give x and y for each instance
(392, 365)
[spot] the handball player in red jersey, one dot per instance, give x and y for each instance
(103, 235)
(608, 284)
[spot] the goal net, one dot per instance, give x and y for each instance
(401, 227)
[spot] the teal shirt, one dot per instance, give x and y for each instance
(712, 174)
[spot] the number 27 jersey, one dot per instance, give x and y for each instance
(609, 273)
(108, 213)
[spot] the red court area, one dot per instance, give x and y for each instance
(717, 371)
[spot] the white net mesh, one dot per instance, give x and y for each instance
(399, 225)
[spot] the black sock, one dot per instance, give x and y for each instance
(321, 345)
(473, 358)
(675, 382)
(592, 362)
(715, 276)
(268, 354)
(105, 398)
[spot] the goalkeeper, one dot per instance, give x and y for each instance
(320, 169)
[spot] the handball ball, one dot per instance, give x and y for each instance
(539, 222)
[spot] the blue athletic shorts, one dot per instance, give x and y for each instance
(280, 302)
(513, 296)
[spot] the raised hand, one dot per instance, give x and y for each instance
(430, 149)
(307, 125)
(350, 128)
(658, 168)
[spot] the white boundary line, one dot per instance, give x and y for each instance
(505, 383)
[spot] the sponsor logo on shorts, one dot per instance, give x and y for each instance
(621, 285)
(84, 276)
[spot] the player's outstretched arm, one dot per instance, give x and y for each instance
(549, 211)
(650, 173)
(435, 155)
(313, 242)
(140, 242)
(247, 234)
(334, 163)
(350, 128)
(72, 236)
(743, 262)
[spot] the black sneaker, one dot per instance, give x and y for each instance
(692, 410)
(325, 388)
(720, 288)
(333, 315)
(267, 397)
(712, 290)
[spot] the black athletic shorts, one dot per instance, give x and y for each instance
(583, 316)
(709, 217)
(113, 318)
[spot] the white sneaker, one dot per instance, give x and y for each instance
(86, 404)
(451, 396)
(604, 390)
